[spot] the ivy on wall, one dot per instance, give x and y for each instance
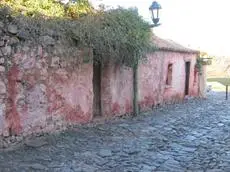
(118, 35)
(203, 59)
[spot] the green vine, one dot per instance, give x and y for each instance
(199, 65)
(203, 59)
(118, 35)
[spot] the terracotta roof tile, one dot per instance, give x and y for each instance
(169, 45)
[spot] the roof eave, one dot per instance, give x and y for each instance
(177, 50)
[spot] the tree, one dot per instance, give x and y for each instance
(50, 8)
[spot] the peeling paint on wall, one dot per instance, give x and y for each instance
(152, 83)
(117, 90)
(40, 91)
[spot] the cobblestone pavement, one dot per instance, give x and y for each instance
(193, 136)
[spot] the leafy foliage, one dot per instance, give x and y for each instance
(79, 9)
(50, 8)
(200, 61)
(118, 35)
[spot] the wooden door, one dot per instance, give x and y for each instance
(187, 77)
(97, 89)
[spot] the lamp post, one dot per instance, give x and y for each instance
(155, 9)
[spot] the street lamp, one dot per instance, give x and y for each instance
(154, 9)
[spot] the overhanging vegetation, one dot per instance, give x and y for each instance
(118, 35)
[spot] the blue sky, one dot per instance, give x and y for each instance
(200, 24)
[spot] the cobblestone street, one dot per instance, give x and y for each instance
(193, 136)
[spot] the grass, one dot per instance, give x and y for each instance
(218, 84)
(217, 73)
(223, 81)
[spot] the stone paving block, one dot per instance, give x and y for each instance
(190, 137)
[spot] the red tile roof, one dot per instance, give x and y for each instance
(169, 45)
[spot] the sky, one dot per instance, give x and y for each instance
(198, 24)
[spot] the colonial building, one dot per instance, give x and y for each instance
(41, 91)
(166, 76)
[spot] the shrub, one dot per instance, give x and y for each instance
(50, 8)
(118, 35)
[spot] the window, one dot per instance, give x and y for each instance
(169, 75)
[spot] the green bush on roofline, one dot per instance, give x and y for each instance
(118, 35)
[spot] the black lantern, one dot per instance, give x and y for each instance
(154, 9)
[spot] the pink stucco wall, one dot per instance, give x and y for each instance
(45, 93)
(117, 83)
(116, 90)
(177, 90)
(149, 75)
(152, 78)
(42, 92)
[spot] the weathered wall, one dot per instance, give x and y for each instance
(42, 88)
(117, 83)
(203, 82)
(152, 78)
(149, 75)
(42, 92)
(176, 91)
(116, 90)
(3, 94)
